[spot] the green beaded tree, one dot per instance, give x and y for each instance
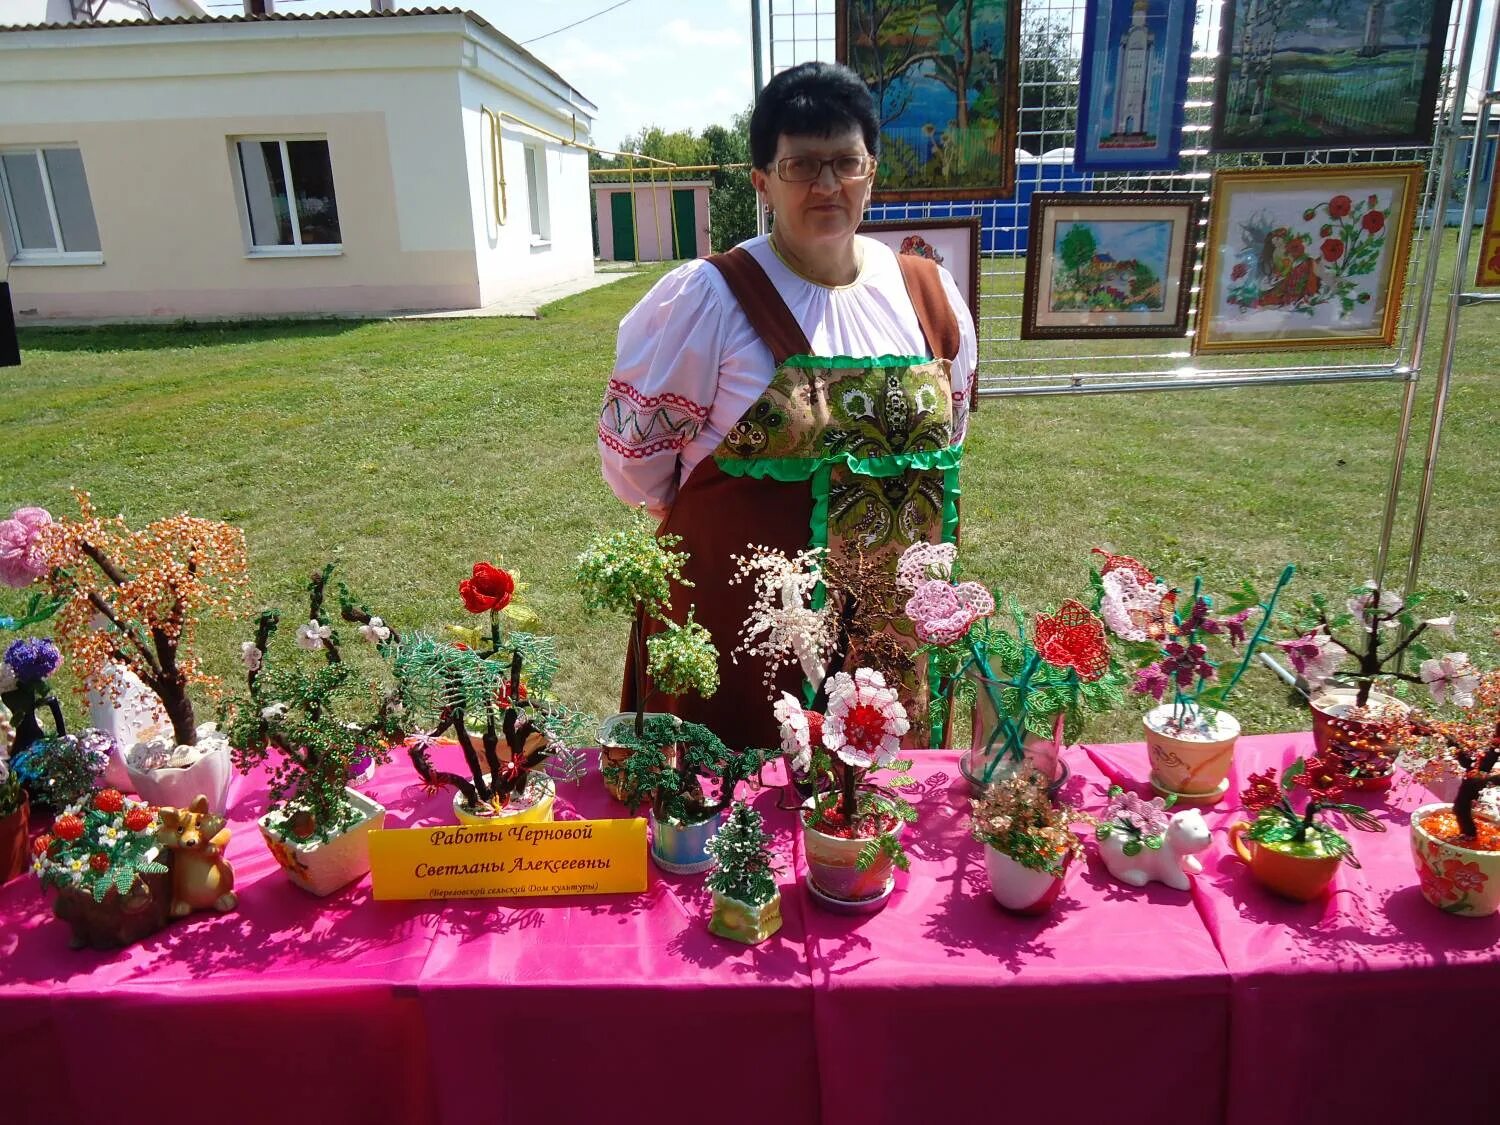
(742, 856)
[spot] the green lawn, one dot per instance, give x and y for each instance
(406, 450)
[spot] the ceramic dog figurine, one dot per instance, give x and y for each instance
(201, 877)
(1186, 834)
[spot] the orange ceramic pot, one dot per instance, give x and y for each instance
(1363, 747)
(14, 853)
(1187, 764)
(1298, 876)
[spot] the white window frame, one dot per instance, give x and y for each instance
(298, 249)
(59, 256)
(542, 217)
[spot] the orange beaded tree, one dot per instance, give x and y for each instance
(150, 587)
(1468, 746)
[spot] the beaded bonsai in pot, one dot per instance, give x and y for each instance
(1456, 844)
(1295, 854)
(102, 857)
(1346, 657)
(685, 793)
(629, 573)
(747, 903)
(1028, 689)
(133, 600)
(853, 822)
(308, 726)
(1186, 649)
(1028, 840)
(493, 692)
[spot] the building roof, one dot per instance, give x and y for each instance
(289, 17)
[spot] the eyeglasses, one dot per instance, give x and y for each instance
(805, 169)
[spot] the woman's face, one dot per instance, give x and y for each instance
(819, 211)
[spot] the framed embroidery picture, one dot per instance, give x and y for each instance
(946, 81)
(951, 243)
(1313, 74)
(1105, 265)
(1133, 89)
(1307, 258)
(1489, 242)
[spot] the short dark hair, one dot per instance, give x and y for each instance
(814, 99)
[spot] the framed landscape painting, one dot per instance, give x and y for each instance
(1309, 258)
(1109, 266)
(951, 243)
(1313, 74)
(1134, 85)
(945, 78)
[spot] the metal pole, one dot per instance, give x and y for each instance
(760, 84)
(1446, 141)
(1455, 301)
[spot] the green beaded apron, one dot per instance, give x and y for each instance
(838, 452)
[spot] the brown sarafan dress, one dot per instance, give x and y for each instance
(839, 452)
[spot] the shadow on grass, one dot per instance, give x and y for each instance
(181, 334)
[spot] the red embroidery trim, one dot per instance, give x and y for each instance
(625, 390)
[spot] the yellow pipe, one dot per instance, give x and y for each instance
(676, 168)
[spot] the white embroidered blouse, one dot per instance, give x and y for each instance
(688, 365)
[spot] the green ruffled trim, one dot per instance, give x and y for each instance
(791, 469)
(822, 478)
(845, 362)
(950, 502)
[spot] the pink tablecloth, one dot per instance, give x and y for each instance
(1224, 1004)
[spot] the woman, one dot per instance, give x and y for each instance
(805, 388)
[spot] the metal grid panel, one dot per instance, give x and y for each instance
(803, 30)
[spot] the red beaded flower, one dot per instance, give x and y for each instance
(109, 801)
(1073, 638)
(68, 827)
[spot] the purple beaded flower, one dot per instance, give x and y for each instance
(32, 659)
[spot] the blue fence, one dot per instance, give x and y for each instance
(1003, 223)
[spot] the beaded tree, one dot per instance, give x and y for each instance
(311, 725)
(150, 587)
(1467, 745)
(493, 692)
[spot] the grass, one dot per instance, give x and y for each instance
(407, 450)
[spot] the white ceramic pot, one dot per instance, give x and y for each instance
(1019, 888)
(129, 713)
(181, 786)
(322, 867)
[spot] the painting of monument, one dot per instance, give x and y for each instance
(1306, 74)
(1136, 55)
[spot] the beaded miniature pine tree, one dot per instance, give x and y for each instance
(742, 852)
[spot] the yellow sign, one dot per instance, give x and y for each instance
(565, 857)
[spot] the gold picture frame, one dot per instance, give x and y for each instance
(1306, 258)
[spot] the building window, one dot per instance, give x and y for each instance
(47, 206)
(289, 196)
(536, 192)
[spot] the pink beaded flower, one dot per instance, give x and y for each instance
(21, 563)
(942, 613)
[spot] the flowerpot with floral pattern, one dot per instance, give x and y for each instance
(1190, 752)
(323, 866)
(1457, 879)
(1361, 745)
(15, 851)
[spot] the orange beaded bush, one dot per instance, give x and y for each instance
(151, 586)
(1468, 746)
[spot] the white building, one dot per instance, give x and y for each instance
(186, 166)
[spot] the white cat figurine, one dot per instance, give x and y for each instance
(1186, 835)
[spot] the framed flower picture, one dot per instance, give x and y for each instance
(1136, 57)
(1489, 244)
(951, 243)
(1106, 265)
(945, 77)
(1306, 258)
(1315, 74)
